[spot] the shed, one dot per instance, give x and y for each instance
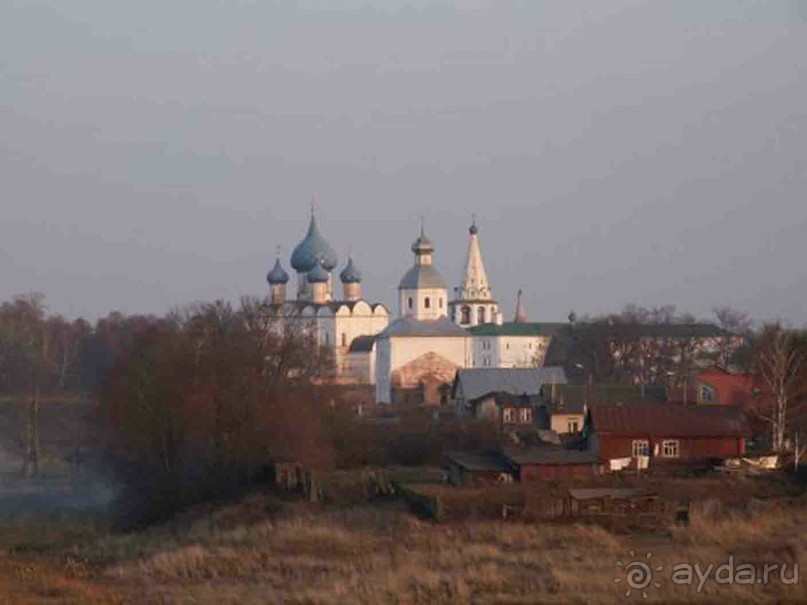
(546, 463)
(478, 468)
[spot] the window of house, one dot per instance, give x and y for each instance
(707, 394)
(572, 426)
(509, 415)
(525, 415)
(344, 339)
(670, 448)
(639, 447)
(409, 302)
(427, 303)
(440, 302)
(480, 315)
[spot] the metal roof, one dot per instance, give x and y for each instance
(421, 276)
(478, 461)
(476, 382)
(350, 274)
(409, 326)
(648, 419)
(277, 275)
(513, 328)
(513, 400)
(313, 251)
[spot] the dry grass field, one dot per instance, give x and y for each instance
(269, 550)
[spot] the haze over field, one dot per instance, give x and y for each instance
(153, 153)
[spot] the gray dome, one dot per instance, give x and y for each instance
(422, 245)
(350, 274)
(277, 275)
(422, 276)
(313, 251)
(317, 275)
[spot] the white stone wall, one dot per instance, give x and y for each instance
(509, 351)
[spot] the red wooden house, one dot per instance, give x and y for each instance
(666, 433)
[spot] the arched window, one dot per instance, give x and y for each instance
(440, 302)
(466, 315)
(410, 302)
(426, 302)
(481, 315)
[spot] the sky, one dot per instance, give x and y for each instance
(154, 154)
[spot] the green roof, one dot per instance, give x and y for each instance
(517, 329)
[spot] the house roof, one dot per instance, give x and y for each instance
(476, 382)
(512, 400)
(669, 420)
(548, 455)
(517, 329)
(479, 461)
(409, 326)
(571, 398)
(362, 344)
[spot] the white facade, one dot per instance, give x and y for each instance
(422, 348)
(510, 351)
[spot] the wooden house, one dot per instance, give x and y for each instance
(666, 433)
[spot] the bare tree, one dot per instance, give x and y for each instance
(738, 326)
(23, 322)
(779, 362)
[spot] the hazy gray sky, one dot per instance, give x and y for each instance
(154, 153)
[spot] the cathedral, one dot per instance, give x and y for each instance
(417, 353)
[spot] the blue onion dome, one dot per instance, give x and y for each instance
(318, 275)
(350, 274)
(313, 251)
(277, 275)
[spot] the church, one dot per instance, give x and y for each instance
(416, 355)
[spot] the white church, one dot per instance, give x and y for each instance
(419, 351)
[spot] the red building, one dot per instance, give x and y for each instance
(666, 433)
(719, 387)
